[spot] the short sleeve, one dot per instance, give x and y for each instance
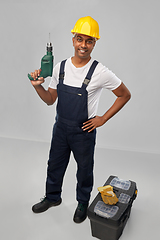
(108, 79)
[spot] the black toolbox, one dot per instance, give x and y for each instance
(108, 222)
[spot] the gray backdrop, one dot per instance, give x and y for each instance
(129, 46)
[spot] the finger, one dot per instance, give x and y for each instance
(33, 76)
(91, 129)
(92, 125)
(90, 120)
(88, 123)
(36, 73)
(86, 127)
(41, 79)
(39, 71)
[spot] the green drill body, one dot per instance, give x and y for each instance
(46, 64)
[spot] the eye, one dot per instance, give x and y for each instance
(79, 39)
(89, 41)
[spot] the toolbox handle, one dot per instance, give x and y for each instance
(126, 215)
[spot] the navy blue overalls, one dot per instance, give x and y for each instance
(72, 112)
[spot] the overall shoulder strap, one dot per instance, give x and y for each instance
(89, 74)
(61, 71)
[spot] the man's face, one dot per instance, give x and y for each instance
(83, 45)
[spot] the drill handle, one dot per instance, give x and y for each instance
(29, 76)
(46, 66)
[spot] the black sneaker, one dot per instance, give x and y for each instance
(80, 213)
(44, 205)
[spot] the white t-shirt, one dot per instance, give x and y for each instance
(101, 78)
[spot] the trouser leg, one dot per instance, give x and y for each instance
(57, 163)
(83, 150)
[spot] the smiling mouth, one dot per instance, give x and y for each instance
(82, 51)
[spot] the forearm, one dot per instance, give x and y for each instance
(116, 107)
(45, 95)
(123, 96)
(48, 96)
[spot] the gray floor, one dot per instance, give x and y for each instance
(22, 181)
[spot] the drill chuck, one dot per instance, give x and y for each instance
(49, 47)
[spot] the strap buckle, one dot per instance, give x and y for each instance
(61, 76)
(86, 81)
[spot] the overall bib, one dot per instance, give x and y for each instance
(72, 112)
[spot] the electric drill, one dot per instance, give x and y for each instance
(46, 63)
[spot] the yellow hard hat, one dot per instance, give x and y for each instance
(87, 26)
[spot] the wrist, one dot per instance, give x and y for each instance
(37, 86)
(104, 118)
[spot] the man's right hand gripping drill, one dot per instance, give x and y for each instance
(48, 96)
(37, 80)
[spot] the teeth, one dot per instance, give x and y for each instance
(82, 51)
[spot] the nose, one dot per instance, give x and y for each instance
(83, 44)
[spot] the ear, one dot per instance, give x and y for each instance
(73, 39)
(93, 45)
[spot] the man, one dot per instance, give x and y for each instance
(77, 82)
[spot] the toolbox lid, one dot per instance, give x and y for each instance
(120, 183)
(124, 198)
(104, 210)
